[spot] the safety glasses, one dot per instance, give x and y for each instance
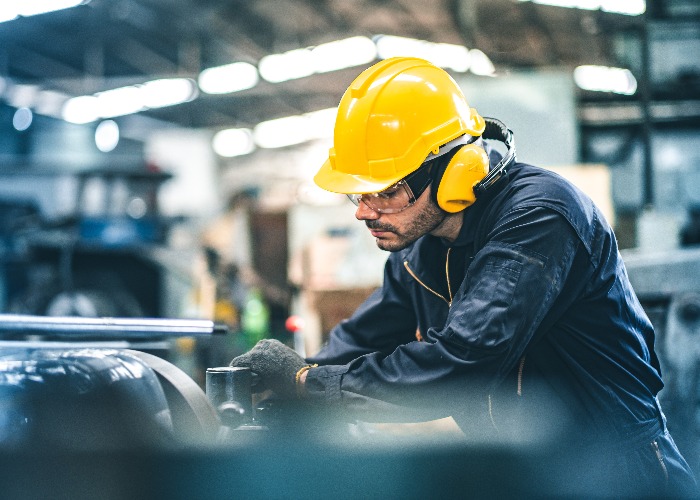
(392, 200)
(401, 195)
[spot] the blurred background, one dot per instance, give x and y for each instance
(156, 156)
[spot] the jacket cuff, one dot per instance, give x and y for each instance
(324, 382)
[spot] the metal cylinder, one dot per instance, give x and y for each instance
(225, 384)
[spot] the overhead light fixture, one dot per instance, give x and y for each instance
(287, 131)
(331, 56)
(107, 136)
(233, 142)
(228, 78)
(168, 92)
(80, 110)
(480, 63)
(277, 68)
(605, 79)
(49, 103)
(444, 55)
(22, 119)
(281, 132)
(131, 99)
(627, 7)
(22, 95)
(341, 54)
(120, 101)
(320, 124)
(297, 129)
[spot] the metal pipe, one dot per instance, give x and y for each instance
(107, 327)
(645, 101)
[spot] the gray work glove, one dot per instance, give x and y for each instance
(275, 365)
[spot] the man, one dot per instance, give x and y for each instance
(505, 302)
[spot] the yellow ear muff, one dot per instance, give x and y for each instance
(467, 168)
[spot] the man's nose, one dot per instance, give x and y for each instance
(363, 212)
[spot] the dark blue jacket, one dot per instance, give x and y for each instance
(525, 328)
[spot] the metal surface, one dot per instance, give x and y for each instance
(118, 328)
(195, 420)
(80, 399)
(226, 385)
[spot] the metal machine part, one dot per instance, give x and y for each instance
(80, 399)
(229, 391)
(93, 399)
(106, 328)
(195, 420)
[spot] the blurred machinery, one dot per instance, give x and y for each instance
(668, 287)
(69, 394)
(97, 260)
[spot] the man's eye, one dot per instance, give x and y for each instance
(388, 194)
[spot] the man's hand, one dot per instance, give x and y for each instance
(276, 366)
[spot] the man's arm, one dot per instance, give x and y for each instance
(511, 285)
(382, 322)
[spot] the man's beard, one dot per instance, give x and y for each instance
(423, 223)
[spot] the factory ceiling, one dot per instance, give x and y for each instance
(105, 44)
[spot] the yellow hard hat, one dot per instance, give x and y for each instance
(393, 115)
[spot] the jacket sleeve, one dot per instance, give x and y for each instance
(509, 287)
(382, 322)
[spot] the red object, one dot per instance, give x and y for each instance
(294, 324)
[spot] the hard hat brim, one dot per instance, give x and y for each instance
(339, 182)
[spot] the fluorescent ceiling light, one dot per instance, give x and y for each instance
(228, 78)
(281, 132)
(22, 119)
(444, 55)
(294, 64)
(49, 103)
(233, 142)
(128, 100)
(332, 56)
(278, 133)
(480, 63)
(296, 129)
(121, 101)
(22, 95)
(628, 7)
(605, 79)
(107, 136)
(341, 54)
(79, 110)
(320, 124)
(168, 92)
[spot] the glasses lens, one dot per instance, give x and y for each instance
(394, 199)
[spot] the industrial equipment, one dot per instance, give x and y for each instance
(97, 256)
(668, 287)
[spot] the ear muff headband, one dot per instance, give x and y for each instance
(466, 175)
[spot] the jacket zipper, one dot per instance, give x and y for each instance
(447, 274)
(660, 458)
(521, 367)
